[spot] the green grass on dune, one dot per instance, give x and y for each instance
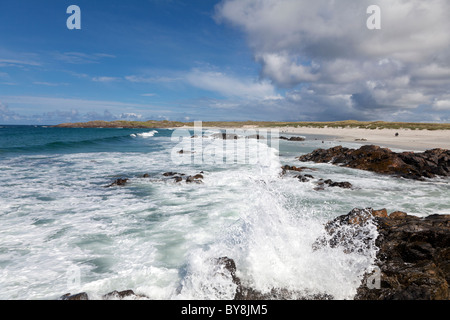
(374, 125)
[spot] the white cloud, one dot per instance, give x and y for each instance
(326, 46)
(145, 79)
(105, 79)
(230, 86)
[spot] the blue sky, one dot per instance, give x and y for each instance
(222, 60)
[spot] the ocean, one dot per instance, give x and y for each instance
(62, 229)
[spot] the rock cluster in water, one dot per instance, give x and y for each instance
(413, 256)
(410, 165)
(321, 183)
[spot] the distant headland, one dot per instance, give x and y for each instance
(259, 124)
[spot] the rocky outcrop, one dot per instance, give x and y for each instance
(246, 293)
(179, 177)
(114, 295)
(293, 138)
(413, 259)
(413, 256)
(410, 165)
(118, 182)
(321, 183)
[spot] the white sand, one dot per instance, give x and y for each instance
(408, 140)
(413, 140)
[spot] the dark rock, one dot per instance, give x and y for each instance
(78, 296)
(409, 165)
(293, 138)
(118, 182)
(178, 179)
(413, 253)
(225, 136)
(114, 295)
(256, 136)
(169, 174)
(321, 184)
(304, 178)
(247, 293)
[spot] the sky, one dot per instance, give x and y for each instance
(204, 60)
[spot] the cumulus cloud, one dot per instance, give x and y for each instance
(326, 47)
(230, 86)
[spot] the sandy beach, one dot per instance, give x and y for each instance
(408, 140)
(411, 140)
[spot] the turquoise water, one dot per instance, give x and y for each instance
(62, 231)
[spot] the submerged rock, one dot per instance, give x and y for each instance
(75, 297)
(118, 182)
(293, 138)
(246, 293)
(225, 136)
(114, 295)
(410, 165)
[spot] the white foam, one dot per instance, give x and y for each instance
(144, 134)
(161, 238)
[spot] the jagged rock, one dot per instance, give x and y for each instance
(169, 174)
(413, 254)
(408, 165)
(114, 295)
(178, 179)
(304, 178)
(118, 182)
(293, 138)
(119, 295)
(246, 293)
(78, 296)
(414, 259)
(322, 183)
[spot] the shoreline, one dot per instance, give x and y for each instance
(407, 139)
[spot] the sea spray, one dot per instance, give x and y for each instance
(162, 238)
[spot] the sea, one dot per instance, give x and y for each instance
(65, 227)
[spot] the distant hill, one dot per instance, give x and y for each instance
(261, 124)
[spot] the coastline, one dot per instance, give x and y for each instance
(408, 140)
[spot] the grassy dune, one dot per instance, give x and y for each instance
(262, 124)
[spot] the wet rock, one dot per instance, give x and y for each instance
(293, 138)
(78, 296)
(244, 293)
(413, 254)
(256, 136)
(225, 136)
(398, 215)
(304, 178)
(114, 295)
(118, 182)
(322, 183)
(182, 151)
(414, 259)
(409, 165)
(120, 295)
(169, 174)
